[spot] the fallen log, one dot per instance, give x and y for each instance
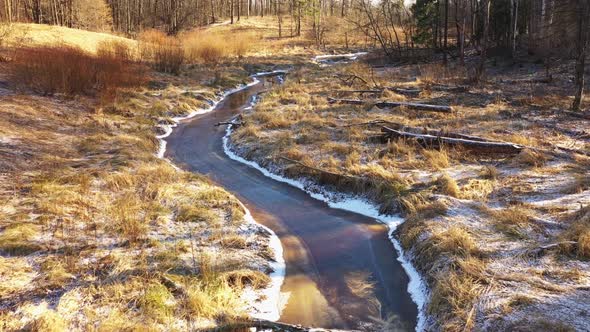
(539, 251)
(446, 88)
(421, 130)
(404, 91)
(392, 104)
(358, 91)
(440, 141)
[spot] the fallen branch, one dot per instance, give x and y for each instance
(383, 104)
(555, 245)
(235, 121)
(440, 141)
(349, 79)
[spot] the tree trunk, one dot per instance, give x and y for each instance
(231, 12)
(480, 72)
(582, 43)
(446, 32)
(8, 9)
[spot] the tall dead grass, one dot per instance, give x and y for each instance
(72, 71)
(165, 53)
(214, 47)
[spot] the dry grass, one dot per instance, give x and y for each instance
(578, 231)
(437, 159)
(72, 71)
(247, 278)
(514, 221)
(49, 321)
(454, 295)
(41, 35)
(447, 185)
(530, 158)
(94, 216)
(165, 53)
(415, 224)
(18, 239)
(157, 302)
(213, 47)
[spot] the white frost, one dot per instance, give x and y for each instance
(270, 307)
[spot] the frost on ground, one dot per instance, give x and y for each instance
(502, 241)
(97, 233)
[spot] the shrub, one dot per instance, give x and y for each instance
(72, 71)
(165, 53)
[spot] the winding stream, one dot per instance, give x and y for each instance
(326, 250)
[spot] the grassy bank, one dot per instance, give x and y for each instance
(96, 232)
(493, 234)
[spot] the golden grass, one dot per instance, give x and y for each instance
(447, 185)
(34, 35)
(477, 189)
(437, 159)
(415, 223)
(213, 47)
(49, 321)
(578, 231)
(18, 239)
(514, 221)
(233, 241)
(55, 273)
(246, 277)
(453, 296)
(213, 298)
(529, 158)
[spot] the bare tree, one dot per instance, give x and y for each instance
(581, 47)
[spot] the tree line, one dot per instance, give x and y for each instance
(172, 16)
(550, 30)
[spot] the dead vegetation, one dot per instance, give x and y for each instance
(96, 232)
(71, 71)
(471, 210)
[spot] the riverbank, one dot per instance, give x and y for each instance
(262, 303)
(98, 232)
(460, 231)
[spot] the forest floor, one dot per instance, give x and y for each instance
(502, 239)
